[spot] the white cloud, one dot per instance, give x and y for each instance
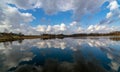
(101, 28)
(68, 29)
(13, 14)
(59, 28)
(27, 4)
(74, 23)
(113, 15)
(12, 19)
(49, 28)
(82, 7)
(80, 29)
(41, 28)
(79, 7)
(109, 15)
(113, 5)
(65, 5)
(62, 27)
(16, 18)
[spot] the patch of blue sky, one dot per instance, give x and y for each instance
(43, 19)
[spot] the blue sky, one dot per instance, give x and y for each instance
(66, 17)
(60, 16)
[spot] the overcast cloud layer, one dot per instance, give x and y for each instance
(12, 19)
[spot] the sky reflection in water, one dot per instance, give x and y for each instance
(61, 55)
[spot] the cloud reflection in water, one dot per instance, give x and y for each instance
(14, 54)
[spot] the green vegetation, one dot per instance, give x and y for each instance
(116, 33)
(20, 36)
(10, 37)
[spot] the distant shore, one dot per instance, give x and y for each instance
(12, 36)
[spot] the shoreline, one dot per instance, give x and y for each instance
(44, 37)
(13, 36)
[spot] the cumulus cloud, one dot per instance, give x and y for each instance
(11, 13)
(114, 8)
(41, 28)
(113, 13)
(74, 23)
(73, 27)
(27, 4)
(79, 7)
(113, 5)
(58, 28)
(101, 28)
(109, 15)
(14, 20)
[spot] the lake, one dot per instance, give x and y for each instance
(100, 54)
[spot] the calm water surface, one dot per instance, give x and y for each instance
(61, 55)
